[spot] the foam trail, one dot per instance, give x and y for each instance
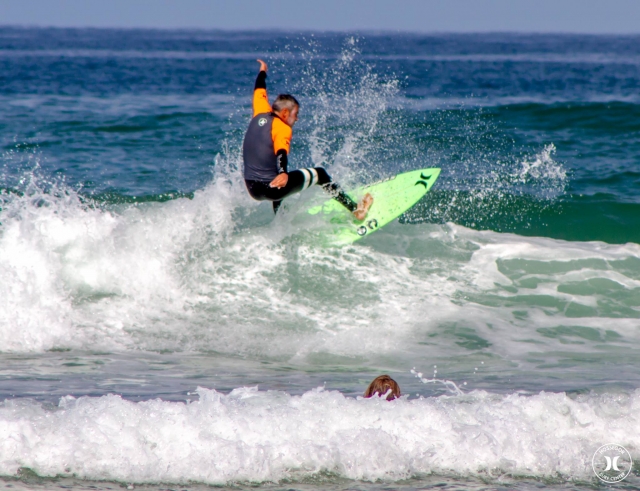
(70, 271)
(255, 436)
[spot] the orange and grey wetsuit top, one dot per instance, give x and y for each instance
(267, 140)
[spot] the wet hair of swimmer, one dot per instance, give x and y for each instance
(284, 101)
(381, 386)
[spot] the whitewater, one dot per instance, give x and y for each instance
(257, 436)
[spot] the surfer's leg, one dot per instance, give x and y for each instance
(303, 178)
(276, 204)
(359, 210)
(333, 189)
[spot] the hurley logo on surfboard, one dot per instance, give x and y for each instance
(424, 183)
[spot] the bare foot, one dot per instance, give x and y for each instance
(363, 207)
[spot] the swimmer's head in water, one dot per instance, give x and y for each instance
(381, 385)
(286, 107)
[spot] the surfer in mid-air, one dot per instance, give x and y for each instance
(266, 148)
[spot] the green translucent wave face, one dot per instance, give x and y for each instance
(571, 217)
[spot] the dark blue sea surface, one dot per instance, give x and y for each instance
(144, 295)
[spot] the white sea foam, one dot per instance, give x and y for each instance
(63, 264)
(197, 275)
(249, 435)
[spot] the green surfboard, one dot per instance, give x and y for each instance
(391, 198)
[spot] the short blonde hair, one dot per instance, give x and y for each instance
(381, 386)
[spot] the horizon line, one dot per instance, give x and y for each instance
(369, 31)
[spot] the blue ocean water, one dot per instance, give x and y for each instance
(158, 328)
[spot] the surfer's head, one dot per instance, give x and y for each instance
(286, 107)
(381, 385)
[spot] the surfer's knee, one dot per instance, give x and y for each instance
(323, 176)
(383, 385)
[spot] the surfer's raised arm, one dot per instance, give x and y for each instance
(260, 99)
(266, 148)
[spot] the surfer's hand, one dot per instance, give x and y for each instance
(263, 66)
(280, 181)
(363, 207)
